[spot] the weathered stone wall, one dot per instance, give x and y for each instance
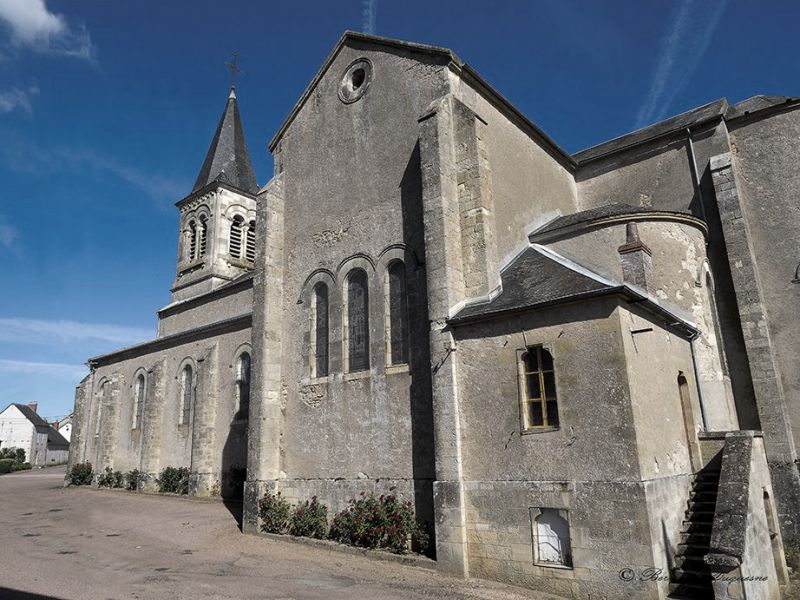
(228, 302)
(160, 441)
(658, 174)
(764, 153)
(352, 199)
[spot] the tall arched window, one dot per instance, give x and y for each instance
(235, 243)
(357, 308)
(397, 308)
(243, 386)
(104, 399)
(203, 234)
(319, 331)
(187, 394)
(250, 249)
(714, 315)
(138, 401)
(192, 239)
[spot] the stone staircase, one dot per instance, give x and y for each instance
(690, 576)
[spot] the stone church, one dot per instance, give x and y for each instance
(581, 368)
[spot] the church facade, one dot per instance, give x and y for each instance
(576, 366)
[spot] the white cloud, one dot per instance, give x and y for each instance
(369, 15)
(681, 51)
(8, 234)
(40, 331)
(17, 99)
(43, 368)
(34, 26)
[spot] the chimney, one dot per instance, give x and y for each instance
(33, 406)
(637, 266)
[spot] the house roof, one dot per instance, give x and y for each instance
(228, 160)
(29, 414)
(55, 440)
(539, 277)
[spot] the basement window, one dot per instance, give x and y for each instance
(551, 537)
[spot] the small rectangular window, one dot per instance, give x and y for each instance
(538, 389)
(551, 537)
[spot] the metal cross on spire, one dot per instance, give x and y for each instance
(234, 69)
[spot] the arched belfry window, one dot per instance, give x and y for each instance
(235, 241)
(203, 233)
(192, 239)
(319, 331)
(397, 311)
(243, 386)
(250, 250)
(187, 394)
(138, 401)
(357, 313)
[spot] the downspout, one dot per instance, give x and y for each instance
(700, 396)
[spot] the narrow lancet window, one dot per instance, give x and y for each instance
(235, 243)
(192, 240)
(203, 235)
(319, 331)
(398, 314)
(250, 251)
(357, 321)
(138, 401)
(243, 386)
(187, 394)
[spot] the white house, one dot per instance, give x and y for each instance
(22, 427)
(64, 427)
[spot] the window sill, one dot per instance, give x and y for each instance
(535, 430)
(317, 380)
(356, 375)
(553, 566)
(399, 368)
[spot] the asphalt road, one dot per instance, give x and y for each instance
(61, 543)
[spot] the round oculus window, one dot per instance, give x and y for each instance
(355, 80)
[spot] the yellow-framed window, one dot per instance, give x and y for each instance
(539, 398)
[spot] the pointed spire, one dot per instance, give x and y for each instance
(228, 159)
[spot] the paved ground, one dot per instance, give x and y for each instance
(82, 544)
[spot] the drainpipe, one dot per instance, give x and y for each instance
(700, 396)
(695, 176)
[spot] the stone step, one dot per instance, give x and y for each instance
(695, 563)
(690, 526)
(687, 590)
(703, 505)
(688, 549)
(700, 516)
(700, 538)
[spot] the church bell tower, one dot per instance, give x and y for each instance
(216, 242)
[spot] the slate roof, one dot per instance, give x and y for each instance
(534, 279)
(31, 415)
(227, 159)
(539, 277)
(56, 441)
(600, 212)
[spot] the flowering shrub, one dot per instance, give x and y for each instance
(274, 512)
(173, 480)
(80, 474)
(310, 519)
(110, 479)
(383, 522)
(132, 480)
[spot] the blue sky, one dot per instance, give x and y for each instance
(107, 109)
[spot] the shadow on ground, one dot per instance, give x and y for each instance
(9, 594)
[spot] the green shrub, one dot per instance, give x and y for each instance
(80, 474)
(15, 454)
(274, 512)
(5, 465)
(132, 480)
(310, 519)
(383, 522)
(110, 479)
(173, 480)
(21, 466)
